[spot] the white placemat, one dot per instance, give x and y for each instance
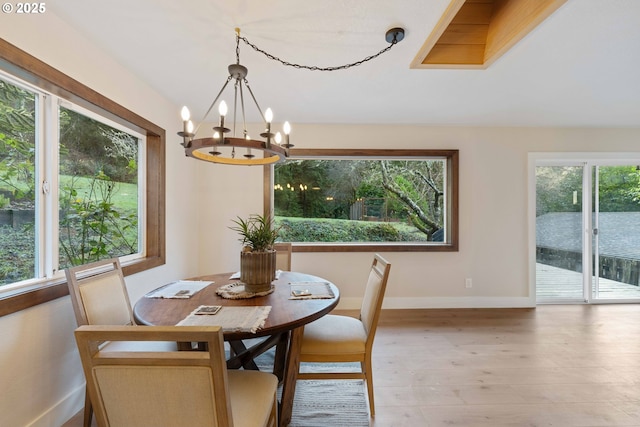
(230, 319)
(179, 289)
(311, 290)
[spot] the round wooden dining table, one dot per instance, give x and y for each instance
(283, 327)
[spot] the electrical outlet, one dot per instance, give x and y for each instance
(468, 283)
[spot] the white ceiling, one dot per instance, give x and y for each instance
(580, 67)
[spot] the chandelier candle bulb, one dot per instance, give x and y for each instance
(287, 130)
(186, 115)
(268, 117)
(222, 109)
(187, 127)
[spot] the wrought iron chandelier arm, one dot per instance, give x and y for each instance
(212, 104)
(255, 101)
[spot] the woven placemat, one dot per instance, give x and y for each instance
(231, 319)
(237, 291)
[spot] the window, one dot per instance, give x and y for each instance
(367, 200)
(18, 130)
(81, 179)
(99, 189)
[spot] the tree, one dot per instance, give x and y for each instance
(418, 186)
(618, 187)
(396, 190)
(17, 142)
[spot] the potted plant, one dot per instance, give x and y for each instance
(257, 258)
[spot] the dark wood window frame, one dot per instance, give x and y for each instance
(452, 157)
(17, 62)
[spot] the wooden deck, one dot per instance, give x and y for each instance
(558, 284)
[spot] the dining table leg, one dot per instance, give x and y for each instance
(281, 356)
(290, 376)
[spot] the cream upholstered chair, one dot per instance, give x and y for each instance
(283, 256)
(98, 294)
(175, 388)
(335, 338)
(99, 297)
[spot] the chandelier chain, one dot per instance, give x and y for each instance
(313, 67)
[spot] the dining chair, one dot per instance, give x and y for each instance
(173, 388)
(99, 294)
(99, 297)
(283, 255)
(343, 339)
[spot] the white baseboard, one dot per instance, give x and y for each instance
(444, 302)
(60, 413)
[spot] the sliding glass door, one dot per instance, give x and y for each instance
(616, 232)
(560, 257)
(587, 231)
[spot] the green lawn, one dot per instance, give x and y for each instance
(125, 196)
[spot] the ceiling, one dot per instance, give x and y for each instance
(579, 67)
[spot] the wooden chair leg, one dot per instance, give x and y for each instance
(88, 409)
(368, 374)
(273, 419)
(290, 376)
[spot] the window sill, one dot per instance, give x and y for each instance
(29, 296)
(373, 247)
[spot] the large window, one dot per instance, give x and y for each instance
(343, 200)
(81, 179)
(99, 190)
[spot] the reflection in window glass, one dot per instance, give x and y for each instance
(383, 200)
(17, 183)
(98, 190)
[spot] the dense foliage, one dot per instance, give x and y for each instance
(17, 144)
(559, 189)
(342, 230)
(96, 220)
(387, 191)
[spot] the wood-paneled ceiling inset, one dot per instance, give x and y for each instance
(474, 33)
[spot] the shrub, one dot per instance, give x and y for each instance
(339, 230)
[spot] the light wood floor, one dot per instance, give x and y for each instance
(556, 365)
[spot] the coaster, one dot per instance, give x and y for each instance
(236, 291)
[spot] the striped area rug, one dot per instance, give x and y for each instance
(324, 403)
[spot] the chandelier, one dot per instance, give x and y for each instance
(219, 148)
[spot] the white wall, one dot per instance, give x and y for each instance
(493, 213)
(40, 373)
